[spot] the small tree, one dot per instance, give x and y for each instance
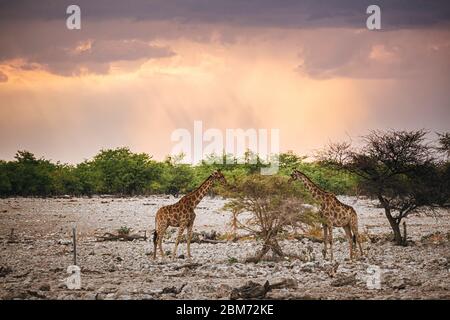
(444, 144)
(397, 168)
(444, 168)
(272, 204)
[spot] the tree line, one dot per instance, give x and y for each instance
(122, 172)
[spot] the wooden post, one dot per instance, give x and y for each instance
(74, 234)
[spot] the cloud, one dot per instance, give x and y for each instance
(35, 32)
(365, 54)
(94, 56)
(266, 13)
(3, 77)
(49, 45)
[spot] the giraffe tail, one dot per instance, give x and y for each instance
(155, 236)
(354, 228)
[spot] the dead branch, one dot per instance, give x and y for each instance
(188, 266)
(252, 290)
(173, 290)
(311, 238)
(285, 283)
(211, 241)
(270, 243)
(120, 237)
(237, 238)
(204, 237)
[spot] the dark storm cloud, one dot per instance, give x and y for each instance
(34, 31)
(272, 13)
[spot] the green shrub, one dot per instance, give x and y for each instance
(122, 172)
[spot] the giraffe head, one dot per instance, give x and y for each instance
(217, 175)
(296, 175)
(316, 192)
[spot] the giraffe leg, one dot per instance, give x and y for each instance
(160, 235)
(180, 234)
(156, 235)
(348, 233)
(330, 237)
(189, 237)
(155, 243)
(325, 240)
(357, 238)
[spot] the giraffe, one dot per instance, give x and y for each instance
(334, 213)
(181, 214)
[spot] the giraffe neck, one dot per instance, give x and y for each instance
(317, 193)
(197, 195)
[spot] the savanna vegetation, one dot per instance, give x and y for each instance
(273, 206)
(403, 170)
(122, 172)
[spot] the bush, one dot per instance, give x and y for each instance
(273, 204)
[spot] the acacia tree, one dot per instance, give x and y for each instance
(444, 144)
(272, 205)
(444, 167)
(396, 167)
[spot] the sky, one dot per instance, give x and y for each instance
(138, 70)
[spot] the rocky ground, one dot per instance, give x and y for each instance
(33, 261)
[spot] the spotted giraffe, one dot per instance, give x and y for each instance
(334, 214)
(182, 215)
